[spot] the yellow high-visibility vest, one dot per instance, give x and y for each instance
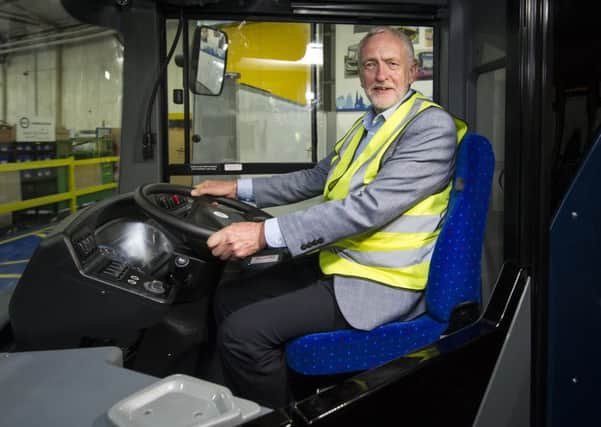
(399, 253)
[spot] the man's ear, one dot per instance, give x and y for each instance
(413, 72)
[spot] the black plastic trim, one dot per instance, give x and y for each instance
(239, 169)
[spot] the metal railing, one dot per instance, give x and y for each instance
(70, 195)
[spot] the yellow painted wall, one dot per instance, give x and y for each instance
(266, 55)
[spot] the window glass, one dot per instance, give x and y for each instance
(290, 91)
(60, 117)
(490, 122)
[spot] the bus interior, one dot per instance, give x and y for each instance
(113, 109)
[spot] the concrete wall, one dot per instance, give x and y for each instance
(79, 84)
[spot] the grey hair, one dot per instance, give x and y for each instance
(400, 34)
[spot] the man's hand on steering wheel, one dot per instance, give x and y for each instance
(230, 228)
(237, 240)
(216, 188)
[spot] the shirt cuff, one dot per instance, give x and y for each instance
(245, 190)
(273, 234)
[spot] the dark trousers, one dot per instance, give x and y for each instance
(256, 316)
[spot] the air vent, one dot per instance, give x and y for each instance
(85, 247)
(114, 269)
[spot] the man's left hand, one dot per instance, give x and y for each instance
(237, 240)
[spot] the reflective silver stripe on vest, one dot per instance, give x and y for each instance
(388, 259)
(414, 224)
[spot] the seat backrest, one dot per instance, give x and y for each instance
(455, 265)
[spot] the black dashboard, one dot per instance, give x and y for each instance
(131, 254)
(109, 272)
(114, 274)
(116, 244)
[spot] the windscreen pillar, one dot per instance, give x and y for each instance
(140, 29)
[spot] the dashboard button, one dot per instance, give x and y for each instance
(181, 261)
(155, 286)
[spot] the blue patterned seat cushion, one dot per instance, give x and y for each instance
(351, 350)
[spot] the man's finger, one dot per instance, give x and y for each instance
(214, 240)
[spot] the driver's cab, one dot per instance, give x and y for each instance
(232, 98)
(239, 98)
(228, 90)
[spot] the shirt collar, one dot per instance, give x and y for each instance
(372, 119)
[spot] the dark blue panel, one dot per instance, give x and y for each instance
(574, 322)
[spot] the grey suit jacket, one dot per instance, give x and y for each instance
(414, 167)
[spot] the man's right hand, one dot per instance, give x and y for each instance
(216, 188)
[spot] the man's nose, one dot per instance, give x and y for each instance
(380, 73)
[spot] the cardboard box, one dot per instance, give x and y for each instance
(10, 187)
(62, 133)
(10, 192)
(7, 133)
(87, 176)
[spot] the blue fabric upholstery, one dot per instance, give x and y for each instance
(454, 278)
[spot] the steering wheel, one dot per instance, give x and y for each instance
(204, 216)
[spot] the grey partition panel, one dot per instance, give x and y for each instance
(507, 398)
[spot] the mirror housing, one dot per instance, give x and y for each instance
(209, 60)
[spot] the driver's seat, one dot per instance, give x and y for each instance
(452, 293)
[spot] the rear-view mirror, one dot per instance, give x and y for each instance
(209, 59)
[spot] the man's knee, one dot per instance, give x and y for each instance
(237, 339)
(248, 340)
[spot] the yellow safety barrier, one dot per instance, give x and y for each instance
(72, 194)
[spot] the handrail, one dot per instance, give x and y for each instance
(71, 195)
